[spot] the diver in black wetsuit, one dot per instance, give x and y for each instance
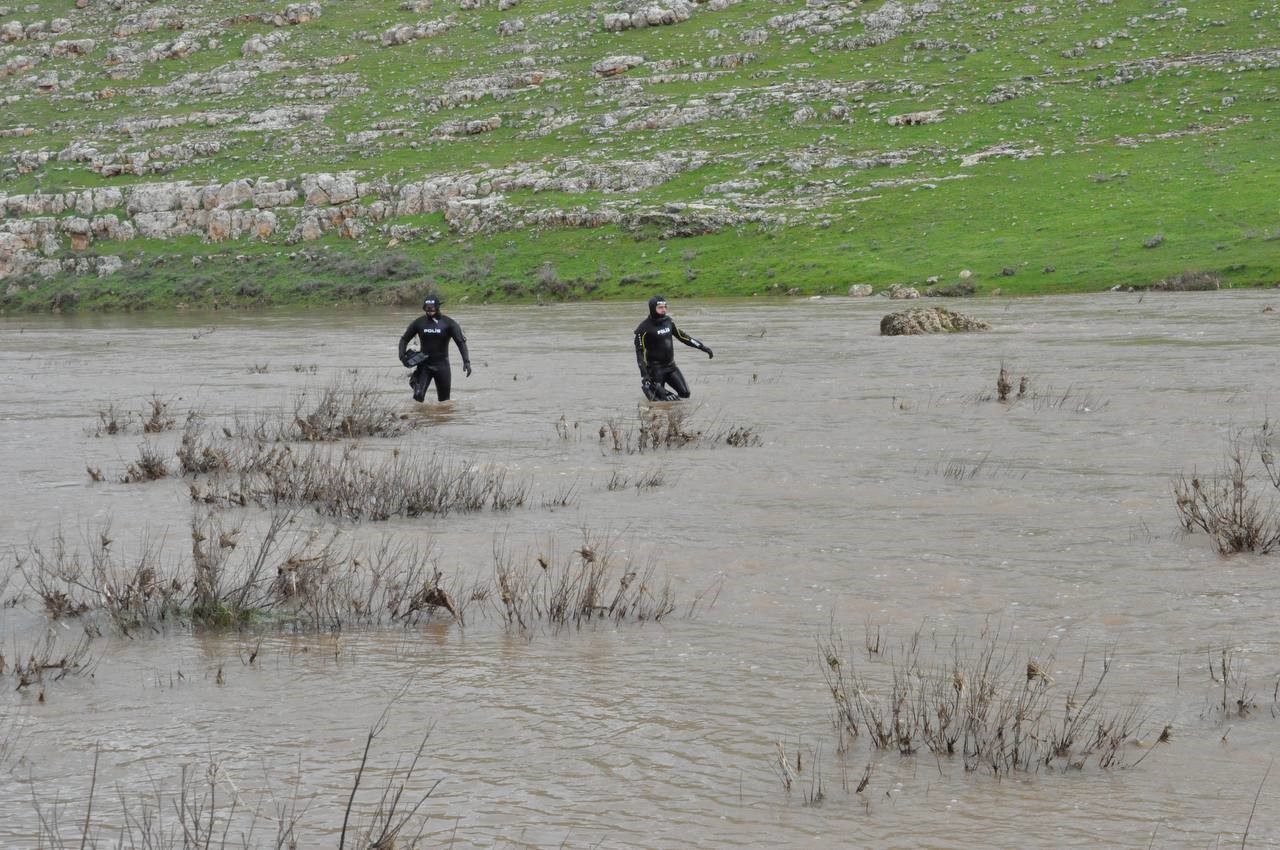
(655, 353)
(431, 362)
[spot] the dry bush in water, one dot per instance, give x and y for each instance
(130, 590)
(1234, 696)
(591, 584)
(280, 572)
(675, 427)
(152, 465)
(208, 810)
(153, 418)
(982, 702)
(353, 486)
(1228, 506)
(46, 661)
(1006, 392)
(340, 410)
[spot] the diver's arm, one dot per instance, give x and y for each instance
(690, 341)
(405, 337)
(460, 340)
(640, 361)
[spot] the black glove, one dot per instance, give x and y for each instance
(404, 358)
(466, 369)
(649, 389)
(708, 350)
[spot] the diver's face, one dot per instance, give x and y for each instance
(430, 309)
(660, 308)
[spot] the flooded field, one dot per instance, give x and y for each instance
(893, 516)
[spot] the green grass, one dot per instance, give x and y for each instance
(1186, 153)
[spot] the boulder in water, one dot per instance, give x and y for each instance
(929, 320)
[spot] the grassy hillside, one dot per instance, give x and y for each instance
(217, 153)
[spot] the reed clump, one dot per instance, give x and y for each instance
(981, 702)
(1234, 694)
(590, 584)
(655, 428)
(340, 410)
(350, 485)
(152, 465)
(47, 660)
(1009, 392)
(235, 574)
(206, 808)
(1239, 507)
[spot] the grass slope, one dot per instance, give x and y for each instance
(1066, 138)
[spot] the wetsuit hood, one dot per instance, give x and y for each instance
(432, 301)
(653, 307)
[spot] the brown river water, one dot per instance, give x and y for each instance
(1057, 527)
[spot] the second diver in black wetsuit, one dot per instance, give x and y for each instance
(655, 353)
(431, 362)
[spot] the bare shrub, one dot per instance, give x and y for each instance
(1229, 506)
(1072, 399)
(131, 589)
(1234, 695)
(619, 480)
(151, 465)
(111, 421)
(206, 809)
(590, 584)
(981, 702)
(349, 485)
(341, 410)
(155, 418)
(348, 411)
(47, 661)
(675, 427)
(236, 574)
(198, 454)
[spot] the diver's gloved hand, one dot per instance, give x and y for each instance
(707, 349)
(466, 369)
(649, 389)
(404, 358)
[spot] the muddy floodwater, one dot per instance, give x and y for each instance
(891, 492)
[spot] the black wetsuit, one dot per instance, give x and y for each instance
(434, 333)
(655, 354)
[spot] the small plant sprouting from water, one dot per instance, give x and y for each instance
(1234, 696)
(1007, 392)
(791, 769)
(1004, 385)
(1228, 506)
(111, 421)
(619, 480)
(566, 430)
(156, 417)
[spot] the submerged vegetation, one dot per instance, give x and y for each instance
(204, 808)
(309, 577)
(1238, 507)
(982, 702)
